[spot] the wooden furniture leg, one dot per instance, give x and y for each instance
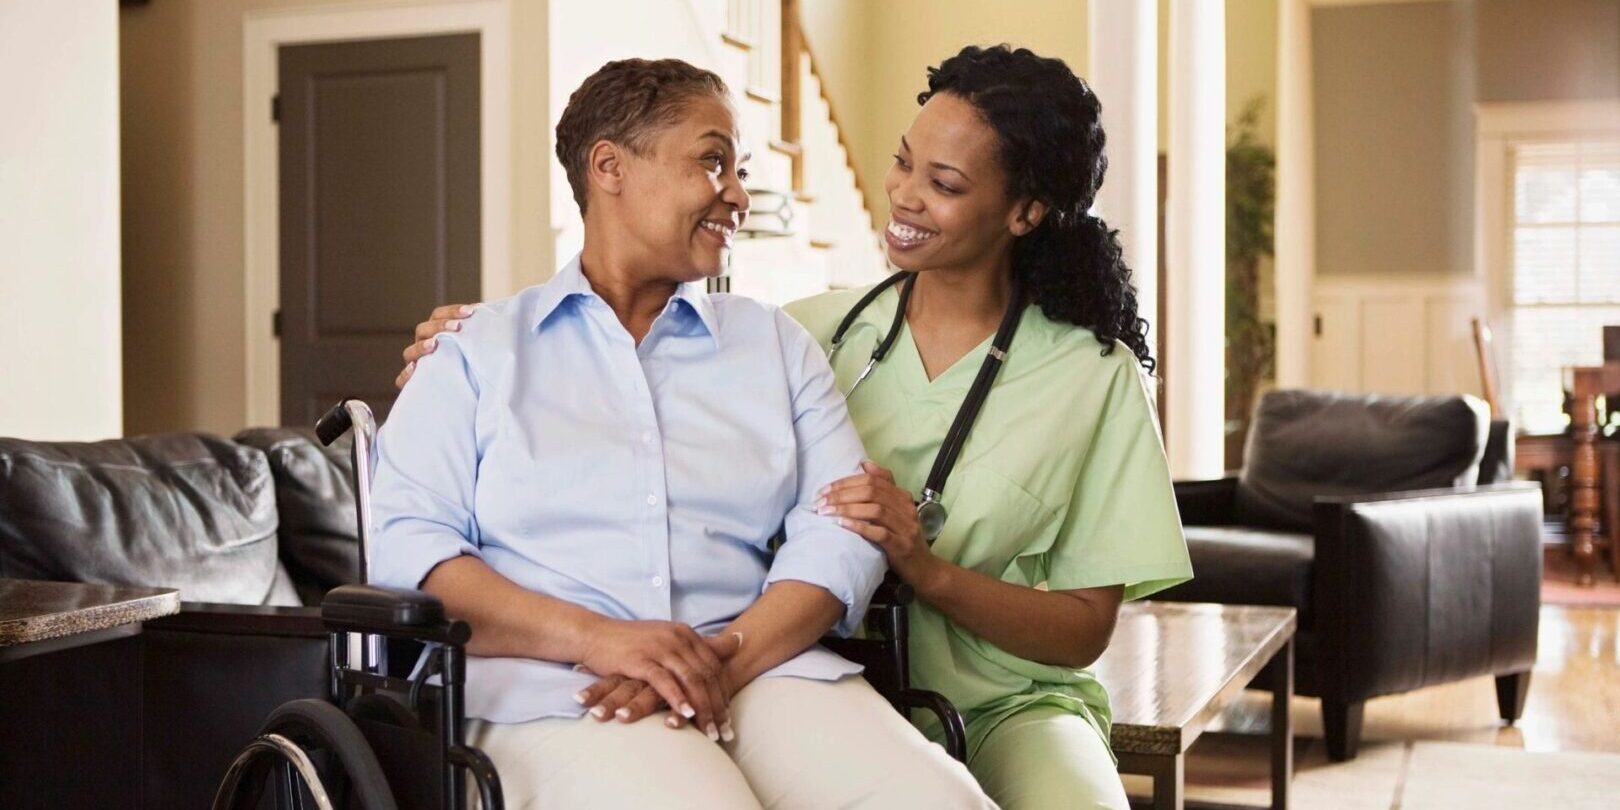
(1282, 728)
(1583, 474)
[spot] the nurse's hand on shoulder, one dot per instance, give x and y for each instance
(873, 506)
(447, 318)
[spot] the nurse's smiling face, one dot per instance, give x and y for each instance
(682, 197)
(948, 199)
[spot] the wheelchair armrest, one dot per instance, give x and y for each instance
(395, 612)
(949, 718)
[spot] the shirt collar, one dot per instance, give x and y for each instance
(570, 281)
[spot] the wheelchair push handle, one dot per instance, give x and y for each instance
(353, 414)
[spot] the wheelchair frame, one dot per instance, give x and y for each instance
(376, 614)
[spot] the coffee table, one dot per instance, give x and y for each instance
(41, 617)
(1170, 670)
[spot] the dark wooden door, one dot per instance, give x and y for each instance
(379, 208)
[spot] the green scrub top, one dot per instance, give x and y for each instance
(1062, 485)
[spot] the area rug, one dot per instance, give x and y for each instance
(1558, 584)
(1229, 769)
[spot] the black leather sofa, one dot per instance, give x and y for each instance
(252, 532)
(1392, 526)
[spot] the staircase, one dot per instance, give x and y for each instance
(800, 160)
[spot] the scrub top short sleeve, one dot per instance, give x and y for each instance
(1122, 526)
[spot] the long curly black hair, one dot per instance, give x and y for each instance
(1049, 125)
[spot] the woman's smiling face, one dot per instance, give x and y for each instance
(948, 201)
(684, 195)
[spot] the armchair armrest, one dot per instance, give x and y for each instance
(1207, 503)
(241, 620)
(1423, 587)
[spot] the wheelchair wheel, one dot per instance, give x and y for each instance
(298, 735)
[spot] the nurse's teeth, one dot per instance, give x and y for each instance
(906, 233)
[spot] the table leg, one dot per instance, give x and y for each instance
(1282, 727)
(1168, 779)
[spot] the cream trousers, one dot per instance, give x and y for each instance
(800, 744)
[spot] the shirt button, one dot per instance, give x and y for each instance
(652, 500)
(658, 582)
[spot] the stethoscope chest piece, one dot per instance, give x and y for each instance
(931, 516)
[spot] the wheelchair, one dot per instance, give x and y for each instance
(389, 736)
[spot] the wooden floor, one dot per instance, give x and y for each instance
(1574, 702)
(1443, 747)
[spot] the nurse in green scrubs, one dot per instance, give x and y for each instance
(1058, 505)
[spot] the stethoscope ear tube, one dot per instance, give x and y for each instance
(931, 513)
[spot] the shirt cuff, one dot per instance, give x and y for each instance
(411, 555)
(837, 561)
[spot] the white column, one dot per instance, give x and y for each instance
(1296, 195)
(1124, 73)
(1195, 240)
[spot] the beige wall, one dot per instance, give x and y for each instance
(184, 338)
(885, 48)
(1394, 93)
(1251, 61)
(1548, 49)
(59, 337)
(1395, 86)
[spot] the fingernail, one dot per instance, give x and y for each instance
(579, 697)
(825, 510)
(453, 326)
(726, 733)
(622, 714)
(820, 502)
(823, 491)
(431, 344)
(714, 734)
(411, 366)
(846, 523)
(672, 722)
(687, 711)
(599, 712)
(466, 310)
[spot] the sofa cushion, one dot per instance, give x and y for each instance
(315, 496)
(188, 511)
(1237, 565)
(1309, 444)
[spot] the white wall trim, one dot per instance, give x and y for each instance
(263, 32)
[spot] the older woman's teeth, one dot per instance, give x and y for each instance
(906, 233)
(724, 231)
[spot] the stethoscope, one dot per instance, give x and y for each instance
(931, 512)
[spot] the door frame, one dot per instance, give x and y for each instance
(263, 32)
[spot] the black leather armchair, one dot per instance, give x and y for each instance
(1389, 524)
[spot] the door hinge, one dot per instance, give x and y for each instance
(275, 323)
(1319, 326)
(275, 108)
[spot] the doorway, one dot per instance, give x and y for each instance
(379, 208)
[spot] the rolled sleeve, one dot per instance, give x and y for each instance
(423, 492)
(816, 549)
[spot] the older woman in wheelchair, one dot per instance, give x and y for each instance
(591, 473)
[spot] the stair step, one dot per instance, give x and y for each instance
(821, 244)
(788, 148)
(761, 94)
(737, 41)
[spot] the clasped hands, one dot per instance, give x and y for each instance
(645, 666)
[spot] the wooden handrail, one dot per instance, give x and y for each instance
(792, 46)
(790, 19)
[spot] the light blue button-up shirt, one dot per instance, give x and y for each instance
(641, 482)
